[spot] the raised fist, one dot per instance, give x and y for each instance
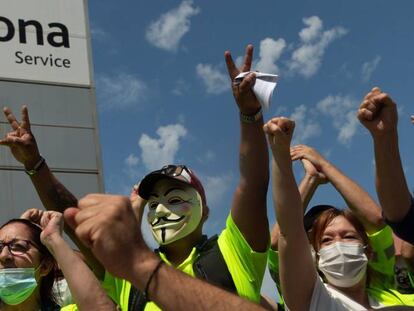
(378, 113)
(279, 132)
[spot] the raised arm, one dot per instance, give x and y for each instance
(294, 252)
(307, 187)
(378, 113)
(107, 224)
(249, 201)
(84, 287)
(357, 199)
(53, 194)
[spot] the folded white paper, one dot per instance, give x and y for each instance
(263, 87)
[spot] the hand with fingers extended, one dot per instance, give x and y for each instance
(378, 113)
(279, 132)
(106, 224)
(20, 139)
(300, 152)
(312, 172)
(242, 92)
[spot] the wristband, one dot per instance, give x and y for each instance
(251, 118)
(37, 167)
(150, 279)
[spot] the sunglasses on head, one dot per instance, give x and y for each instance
(174, 171)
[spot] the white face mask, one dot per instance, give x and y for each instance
(343, 264)
(175, 215)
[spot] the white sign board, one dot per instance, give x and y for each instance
(44, 41)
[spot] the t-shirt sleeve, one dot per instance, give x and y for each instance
(383, 258)
(405, 228)
(117, 289)
(246, 266)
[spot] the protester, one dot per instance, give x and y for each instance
(239, 255)
(378, 113)
(319, 170)
(107, 225)
(339, 239)
(28, 267)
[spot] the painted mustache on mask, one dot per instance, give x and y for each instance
(166, 220)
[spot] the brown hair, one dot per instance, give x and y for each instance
(323, 221)
(46, 282)
(326, 217)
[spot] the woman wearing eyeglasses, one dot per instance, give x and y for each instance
(28, 263)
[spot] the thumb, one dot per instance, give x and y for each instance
(69, 216)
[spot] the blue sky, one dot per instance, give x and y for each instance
(163, 92)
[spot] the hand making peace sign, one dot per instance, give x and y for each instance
(243, 94)
(20, 139)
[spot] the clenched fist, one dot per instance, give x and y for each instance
(378, 113)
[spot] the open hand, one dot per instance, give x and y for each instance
(300, 152)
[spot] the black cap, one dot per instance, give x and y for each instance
(313, 213)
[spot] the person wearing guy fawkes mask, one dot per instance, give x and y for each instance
(177, 210)
(246, 235)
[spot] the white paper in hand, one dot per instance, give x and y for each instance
(263, 88)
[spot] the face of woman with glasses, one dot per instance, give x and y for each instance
(16, 251)
(175, 211)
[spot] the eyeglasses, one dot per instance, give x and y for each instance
(17, 247)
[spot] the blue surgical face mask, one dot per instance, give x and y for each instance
(16, 284)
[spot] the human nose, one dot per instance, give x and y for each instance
(162, 211)
(5, 255)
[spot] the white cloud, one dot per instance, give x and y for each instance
(307, 58)
(342, 111)
(305, 125)
(181, 87)
(312, 32)
(98, 33)
(166, 32)
(270, 52)
(131, 168)
(131, 160)
(156, 152)
(214, 80)
(369, 67)
(216, 187)
(121, 91)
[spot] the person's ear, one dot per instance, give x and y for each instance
(206, 212)
(46, 266)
